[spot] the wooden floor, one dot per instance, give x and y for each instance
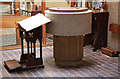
(94, 65)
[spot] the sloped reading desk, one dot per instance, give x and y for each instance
(30, 30)
(68, 27)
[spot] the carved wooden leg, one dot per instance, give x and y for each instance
(28, 50)
(34, 50)
(41, 50)
(31, 48)
(22, 46)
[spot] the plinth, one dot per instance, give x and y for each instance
(68, 50)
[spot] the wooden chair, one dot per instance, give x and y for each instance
(34, 7)
(40, 8)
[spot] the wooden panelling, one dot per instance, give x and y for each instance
(9, 21)
(19, 46)
(6, 3)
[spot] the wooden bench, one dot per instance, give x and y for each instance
(114, 28)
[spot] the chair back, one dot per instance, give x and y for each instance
(34, 7)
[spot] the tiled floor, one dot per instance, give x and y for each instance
(11, 40)
(94, 64)
(8, 37)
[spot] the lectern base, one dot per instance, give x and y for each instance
(68, 50)
(13, 65)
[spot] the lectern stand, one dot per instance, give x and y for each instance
(28, 60)
(30, 30)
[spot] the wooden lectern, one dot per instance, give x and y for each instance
(31, 32)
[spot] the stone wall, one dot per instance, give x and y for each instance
(113, 38)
